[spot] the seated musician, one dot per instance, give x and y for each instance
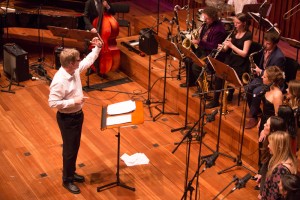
(272, 56)
(92, 10)
(239, 44)
(211, 34)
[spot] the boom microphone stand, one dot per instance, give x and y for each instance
(239, 162)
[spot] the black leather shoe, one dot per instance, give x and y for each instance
(78, 178)
(212, 104)
(89, 72)
(254, 178)
(71, 187)
(256, 187)
(183, 85)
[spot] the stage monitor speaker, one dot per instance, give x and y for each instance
(15, 62)
(147, 42)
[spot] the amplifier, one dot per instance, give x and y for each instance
(147, 42)
(15, 62)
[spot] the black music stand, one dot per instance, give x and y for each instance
(262, 8)
(187, 54)
(228, 74)
(292, 42)
(170, 49)
(137, 117)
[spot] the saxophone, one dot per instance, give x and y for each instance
(176, 8)
(202, 80)
(224, 100)
(248, 77)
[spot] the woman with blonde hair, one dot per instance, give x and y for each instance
(281, 163)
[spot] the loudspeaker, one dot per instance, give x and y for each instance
(147, 42)
(15, 62)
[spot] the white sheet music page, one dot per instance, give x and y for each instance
(121, 107)
(118, 119)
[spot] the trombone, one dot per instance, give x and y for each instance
(291, 12)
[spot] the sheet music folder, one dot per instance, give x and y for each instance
(76, 34)
(136, 116)
(225, 72)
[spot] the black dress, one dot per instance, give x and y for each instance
(238, 63)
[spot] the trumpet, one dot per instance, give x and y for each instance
(291, 12)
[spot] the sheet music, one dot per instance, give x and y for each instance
(121, 107)
(119, 119)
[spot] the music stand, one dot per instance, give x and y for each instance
(170, 49)
(187, 54)
(228, 74)
(255, 8)
(292, 42)
(137, 117)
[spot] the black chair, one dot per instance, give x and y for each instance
(121, 9)
(290, 70)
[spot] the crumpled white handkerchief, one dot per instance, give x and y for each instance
(135, 159)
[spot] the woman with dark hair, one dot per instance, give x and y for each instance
(281, 163)
(273, 124)
(287, 114)
(238, 46)
(272, 99)
(289, 187)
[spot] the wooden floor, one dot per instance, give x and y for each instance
(30, 142)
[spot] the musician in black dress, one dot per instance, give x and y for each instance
(239, 44)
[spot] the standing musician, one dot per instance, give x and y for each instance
(272, 56)
(92, 10)
(211, 34)
(239, 44)
(66, 95)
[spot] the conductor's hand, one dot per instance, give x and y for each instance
(93, 30)
(105, 4)
(97, 42)
(78, 100)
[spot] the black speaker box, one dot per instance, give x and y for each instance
(15, 62)
(147, 42)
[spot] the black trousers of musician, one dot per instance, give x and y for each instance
(219, 83)
(254, 96)
(70, 126)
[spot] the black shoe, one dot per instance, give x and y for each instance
(78, 178)
(104, 76)
(89, 72)
(256, 187)
(254, 178)
(184, 85)
(212, 104)
(71, 187)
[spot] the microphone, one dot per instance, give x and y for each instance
(167, 20)
(265, 89)
(241, 183)
(263, 4)
(211, 117)
(210, 161)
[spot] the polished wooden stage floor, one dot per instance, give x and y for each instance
(30, 141)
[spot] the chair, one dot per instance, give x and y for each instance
(290, 70)
(121, 9)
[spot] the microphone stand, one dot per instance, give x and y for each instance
(235, 178)
(260, 19)
(40, 68)
(239, 161)
(148, 101)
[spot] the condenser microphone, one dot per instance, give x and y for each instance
(210, 161)
(211, 117)
(241, 183)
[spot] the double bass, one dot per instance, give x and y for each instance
(108, 28)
